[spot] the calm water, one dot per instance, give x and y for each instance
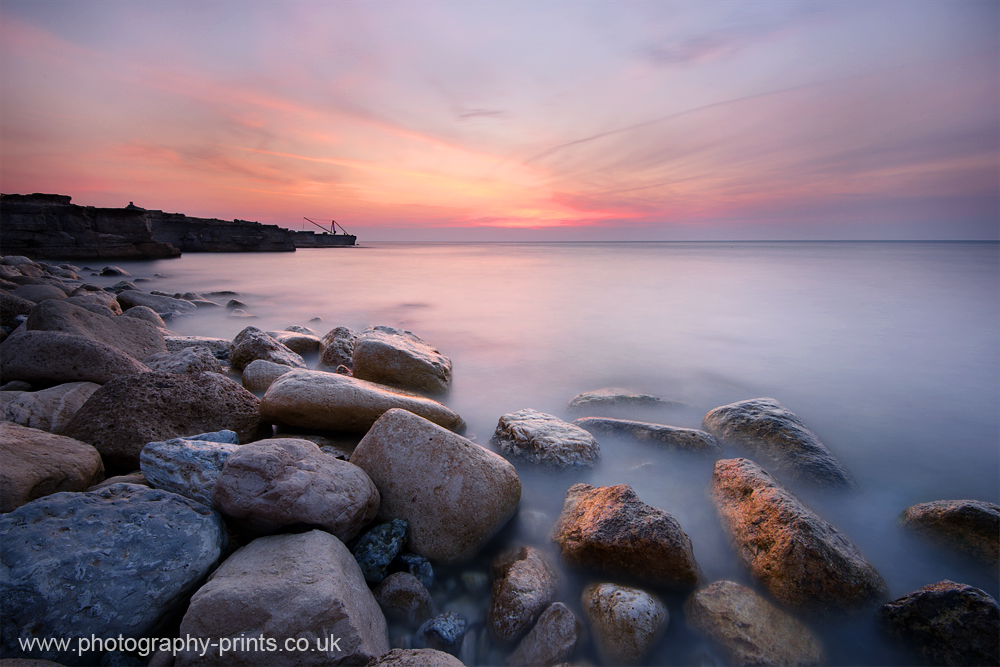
(888, 351)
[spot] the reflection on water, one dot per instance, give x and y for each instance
(888, 351)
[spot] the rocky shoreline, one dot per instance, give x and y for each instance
(294, 497)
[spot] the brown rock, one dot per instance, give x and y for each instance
(188, 360)
(626, 622)
(416, 657)
(132, 478)
(252, 343)
(610, 529)
(970, 526)
(284, 481)
(47, 410)
(524, 583)
(553, 639)
(403, 598)
(51, 357)
(132, 410)
(260, 374)
(671, 437)
(11, 306)
(748, 629)
(400, 359)
(136, 338)
(39, 292)
(36, 463)
(106, 299)
(803, 561)
(148, 314)
(298, 342)
(337, 348)
(453, 493)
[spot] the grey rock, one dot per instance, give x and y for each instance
(443, 633)
(48, 409)
(377, 548)
(148, 314)
(626, 622)
(252, 343)
(614, 399)
(546, 440)
(260, 374)
(336, 348)
(671, 437)
(766, 429)
(297, 342)
(49, 357)
(189, 360)
(163, 305)
(39, 293)
(105, 299)
(220, 347)
(416, 657)
(134, 337)
(399, 358)
(404, 598)
(524, 583)
(82, 551)
(970, 526)
(553, 640)
(188, 466)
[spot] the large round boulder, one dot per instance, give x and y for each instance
(136, 338)
(53, 357)
(252, 343)
(400, 359)
(626, 622)
(524, 583)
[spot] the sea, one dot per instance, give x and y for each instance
(888, 351)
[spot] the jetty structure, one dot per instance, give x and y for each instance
(51, 226)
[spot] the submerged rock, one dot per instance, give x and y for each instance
(671, 437)
(610, 529)
(377, 548)
(524, 583)
(970, 526)
(626, 622)
(544, 439)
(403, 598)
(400, 358)
(765, 428)
(444, 633)
(802, 560)
(553, 640)
(613, 399)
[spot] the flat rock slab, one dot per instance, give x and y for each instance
(132, 410)
(608, 528)
(626, 622)
(284, 481)
(765, 428)
(188, 466)
(52, 357)
(220, 347)
(453, 494)
(970, 526)
(128, 555)
(614, 399)
(400, 359)
(47, 410)
(748, 629)
(524, 583)
(803, 561)
(252, 343)
(545, 440)
(553, 640)
(946, 624)
(305, 587)
(36, 463)
(136, 338)
(671, 437)
(332, 402)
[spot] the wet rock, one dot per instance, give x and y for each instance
(81, 551)
(947, 624)
(303, 586)
(252, 343)
(524, 583)
(11, 306)
(52, 357)
(803, 561)
(105, 299)
(260, 374)
(610, 529)
(36, 463)
(377, 548)
(419, 567)
(298, 342)
(331, 402)
(163, 305)
(283, 481)
(403, 598)
(240, 314)
(553, 640)
(235, 304)
(766, 429)
(188, 466)
(47, 410)
(146, 313)
(39, 293)
(453, 493)
(122, 285)
(443, 633)
(626, 622)
(748, 629)
(400, 359)
(416, 657)
(336, 348)
(544, 439)
(115, 271)
(614, 399)
(189, 360)
(134, 337)
(970, 526)
(671, 437)
(132, 410)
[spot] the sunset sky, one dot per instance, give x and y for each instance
(546, 120)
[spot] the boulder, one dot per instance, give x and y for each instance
(284, 482)
(418, 566)
(946, 624)
(48, 409)
(70, 563)
(524, 584)
(765, 428)
(162, 305)
(148, 314)
(39, 292)
(189, 360)
(403, 598)
(553, 640)
(260, 374)
(400, 359)
(416, 657)
(132, 478)
(626, 622)
(670, 437)
(52, 357)
(803, 561)
(443, 632)
(453, 494)
(336, 348)
(102, 298)
(252, 343)
(609, 529)
(11, 306)
(748, 629)
(377, 548)
(303, 587)
(296, 341)
(36, 463)
(188, 466)
(132, 410)
(970, 526)
(546, 440)
(332, 402)
(219, 346)
(613, 399)
(134, 337)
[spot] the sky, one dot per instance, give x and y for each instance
(546, 120)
